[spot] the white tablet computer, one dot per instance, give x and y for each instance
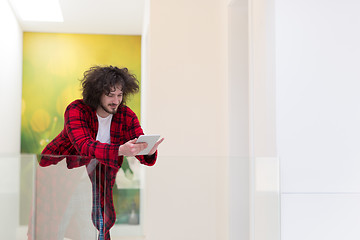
(150, 140)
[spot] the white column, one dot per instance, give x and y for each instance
(186, 101)
(10, 106)
(264, 167)
(238, 98)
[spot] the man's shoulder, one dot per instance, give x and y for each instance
(78, 104)
(125, 112)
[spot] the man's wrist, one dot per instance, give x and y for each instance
(120, 151)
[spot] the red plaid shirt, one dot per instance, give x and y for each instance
(79, 138)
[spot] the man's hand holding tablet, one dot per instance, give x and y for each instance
(152, 143)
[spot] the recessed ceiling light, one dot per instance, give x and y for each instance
(38, 10)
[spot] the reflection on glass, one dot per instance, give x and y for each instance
(63, 204)
(72, 197)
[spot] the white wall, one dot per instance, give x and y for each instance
(10, 105)
(10, 79)
(187, 85)
(186, 101)
(317, 49)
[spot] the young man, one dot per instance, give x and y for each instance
(101, 126)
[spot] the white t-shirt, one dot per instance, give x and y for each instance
(103, 134)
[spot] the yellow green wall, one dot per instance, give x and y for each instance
(53, 65)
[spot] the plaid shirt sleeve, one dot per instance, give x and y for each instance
(134, 130)
(78, 131)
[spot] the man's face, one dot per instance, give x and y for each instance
(110, 103)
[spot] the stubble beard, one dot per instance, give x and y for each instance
(109, 110)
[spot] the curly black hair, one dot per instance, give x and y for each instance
(98, 80)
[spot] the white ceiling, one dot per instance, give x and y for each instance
(123, 17)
